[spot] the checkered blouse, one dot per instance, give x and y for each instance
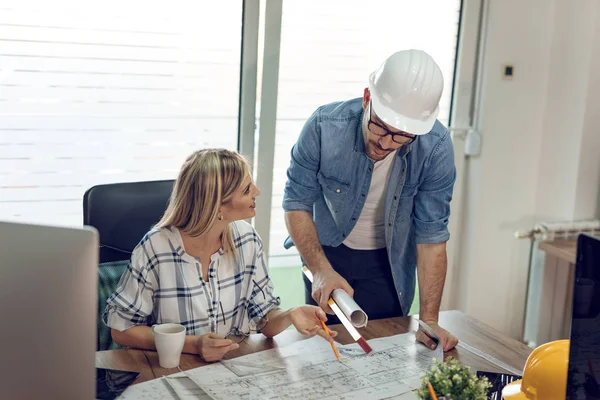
(163, 284)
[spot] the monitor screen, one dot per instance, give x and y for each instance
(48, 311)
(584, 354)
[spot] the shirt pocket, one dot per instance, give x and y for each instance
(406, 203)
(409, 190)
(335, 191)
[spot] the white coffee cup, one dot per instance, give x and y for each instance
(169, 340)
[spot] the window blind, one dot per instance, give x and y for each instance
(101, 92)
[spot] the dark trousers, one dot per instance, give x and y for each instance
(370, 275)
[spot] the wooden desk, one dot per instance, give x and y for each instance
(465, 328)
(556, 302)
(565, 250)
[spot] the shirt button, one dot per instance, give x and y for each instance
(370, 169)
(363, 195)
(389, 224)
(337, 190)
(399, 293)
(353, 219)
(343, 235)
(395, 197)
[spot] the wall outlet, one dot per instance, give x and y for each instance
(508, 71)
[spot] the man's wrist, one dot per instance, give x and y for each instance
(429, 318)
(320, 267)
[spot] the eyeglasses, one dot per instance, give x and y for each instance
(237, 336)
(382, 131)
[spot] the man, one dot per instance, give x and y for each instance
(367, 199)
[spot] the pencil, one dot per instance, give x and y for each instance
(431, 391)
(337, 355)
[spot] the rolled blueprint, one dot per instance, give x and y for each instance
(355, 314)
(345, 303)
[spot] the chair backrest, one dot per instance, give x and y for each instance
(123, 212)
(288, 243)
(109, 275)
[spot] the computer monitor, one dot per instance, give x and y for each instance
(48, 307)
(584, 350)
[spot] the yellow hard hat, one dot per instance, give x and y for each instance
(545, 374)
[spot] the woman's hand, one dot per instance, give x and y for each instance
(212, 347)
(307, 320)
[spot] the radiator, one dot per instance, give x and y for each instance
(546, 231)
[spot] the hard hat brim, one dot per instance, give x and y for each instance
(512, 391)
(397, 120)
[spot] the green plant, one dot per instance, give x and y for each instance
(453, 380)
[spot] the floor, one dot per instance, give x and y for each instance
(290, 288)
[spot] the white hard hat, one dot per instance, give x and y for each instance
(406, 91)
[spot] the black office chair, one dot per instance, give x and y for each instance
(123, 212)
(288, 243)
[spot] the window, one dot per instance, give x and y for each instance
(94, 93)
(101, 92)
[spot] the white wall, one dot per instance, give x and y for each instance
(598, 207)
(566, 188)
(588, 184)
(540, 146)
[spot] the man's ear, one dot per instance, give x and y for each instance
(366, 98)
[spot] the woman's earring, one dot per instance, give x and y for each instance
(220, 218)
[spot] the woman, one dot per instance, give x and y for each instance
(202, 266)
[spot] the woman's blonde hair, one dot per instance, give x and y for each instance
(208, 179)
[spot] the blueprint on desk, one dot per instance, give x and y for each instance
(304, 370)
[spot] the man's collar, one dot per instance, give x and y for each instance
(359, 137)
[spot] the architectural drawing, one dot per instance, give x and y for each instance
(173, 387)
(309, 370)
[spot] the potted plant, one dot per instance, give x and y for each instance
(452, 380)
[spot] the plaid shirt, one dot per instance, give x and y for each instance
(163, 284)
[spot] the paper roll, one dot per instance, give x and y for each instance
(346, 304)
(351, 310)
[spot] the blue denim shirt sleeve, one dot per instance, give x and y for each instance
(302, 188)
(432, 201)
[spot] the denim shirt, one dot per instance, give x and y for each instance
(330, 174)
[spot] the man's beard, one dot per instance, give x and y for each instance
(384, 153)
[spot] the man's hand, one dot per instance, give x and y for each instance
(447, 340)
(307, 321)
(212, 347)
(326, 281)
(304, 234)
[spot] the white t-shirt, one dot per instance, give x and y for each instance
(369, 231)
